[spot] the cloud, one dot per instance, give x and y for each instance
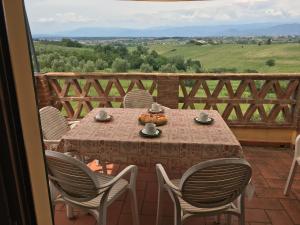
(68, 17)
(61, 15)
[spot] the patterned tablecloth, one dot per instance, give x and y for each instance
(182, 143)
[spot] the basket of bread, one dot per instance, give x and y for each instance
(159, 119)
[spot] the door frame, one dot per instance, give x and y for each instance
(24, 166)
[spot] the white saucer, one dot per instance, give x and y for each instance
(209, 119)
(103, 119)
(145, 132)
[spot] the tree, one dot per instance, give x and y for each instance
(135, 60)
(269, 41)
(270, 62)
(168, 68)
(58, 65)
(178, 62)
(146, 68)
(89, 66)
(101, 64)
(120, 65)
(70, 43)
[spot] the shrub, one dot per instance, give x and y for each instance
(120, 65)
(198, 69)
(168, 68)
(101, 64)
(89, 66)
(146, 68)
(270, 62)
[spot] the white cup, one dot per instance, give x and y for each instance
(203, 116)
(150, 128)
(155, 107)
(102, 115)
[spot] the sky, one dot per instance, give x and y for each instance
(51, 16)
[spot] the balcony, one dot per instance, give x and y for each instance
(261, 109)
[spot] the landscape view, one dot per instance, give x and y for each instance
(256, 36)
(215, 36)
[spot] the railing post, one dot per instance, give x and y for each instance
(43, 91)
(168, 90)
(297, 108)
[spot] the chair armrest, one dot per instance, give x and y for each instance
(129, 169)
(73, 124)
(163, 177)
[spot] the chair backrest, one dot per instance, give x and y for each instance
(138, 99)
(72, 178)
(215, 183)
(54, 125)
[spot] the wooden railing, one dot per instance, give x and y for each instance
(244, 100)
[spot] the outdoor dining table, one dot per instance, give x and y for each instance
(182, 143)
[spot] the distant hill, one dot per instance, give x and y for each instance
(267, 29)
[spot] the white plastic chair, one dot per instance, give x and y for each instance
(138, 99)
(82, 188)
(207, 189)
(54, 126)
(295, 164)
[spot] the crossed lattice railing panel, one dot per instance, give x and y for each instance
(243, 101)
(247, 100)
(77, 95)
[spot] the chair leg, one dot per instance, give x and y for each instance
(291, 176)
(70, 213)
(159, 208)
(134, 207)
(177, 215)
(102, 215)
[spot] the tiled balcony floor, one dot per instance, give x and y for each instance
(268, 206)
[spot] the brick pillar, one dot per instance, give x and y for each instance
(168, 90)
(43, 91)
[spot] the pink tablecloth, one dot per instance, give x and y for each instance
(183, 142)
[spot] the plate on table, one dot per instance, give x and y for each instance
(146, 135)
(207, 122)
(107, 119)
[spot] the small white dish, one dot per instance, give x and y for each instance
(209, 119)
(98, 118)
(145, 132)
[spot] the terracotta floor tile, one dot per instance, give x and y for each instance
(127, 203)
(263, 203)
(61, 219)
(114, 212)
(292, 207)
(268, 207)
(256, 215)
(85, 219)
(279, 217)
(272, 193)
(151, 192)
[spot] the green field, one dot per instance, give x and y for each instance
(238, 56)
